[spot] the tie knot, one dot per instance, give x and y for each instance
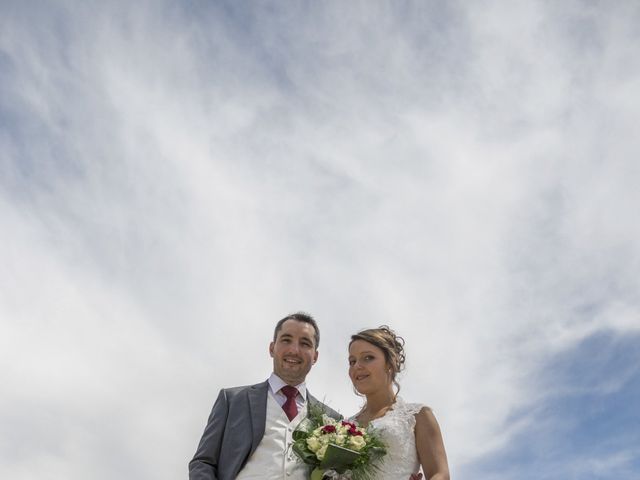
(289, 391)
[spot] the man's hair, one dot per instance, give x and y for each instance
(299, 317)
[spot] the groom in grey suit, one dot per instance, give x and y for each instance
(250, 427)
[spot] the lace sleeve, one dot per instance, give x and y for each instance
(409, 411)
(397, 429)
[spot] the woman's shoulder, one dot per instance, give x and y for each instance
(411, 408)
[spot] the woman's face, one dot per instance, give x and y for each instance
(368, 368)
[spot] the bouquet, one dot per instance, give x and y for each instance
(337, 449)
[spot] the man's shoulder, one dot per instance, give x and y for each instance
(233, 391)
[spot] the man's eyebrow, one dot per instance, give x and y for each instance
(303, 337)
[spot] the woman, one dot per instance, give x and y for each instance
(410, 430)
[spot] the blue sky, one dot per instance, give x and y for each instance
(175, 179)
(586, 428)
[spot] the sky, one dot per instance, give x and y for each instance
(175, 177)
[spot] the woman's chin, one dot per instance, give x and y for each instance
(361, 390)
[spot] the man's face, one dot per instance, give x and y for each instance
(293, 351)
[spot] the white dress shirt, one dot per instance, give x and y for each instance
(276, 383)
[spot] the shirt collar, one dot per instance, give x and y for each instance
(276, 383)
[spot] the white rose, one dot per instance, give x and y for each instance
(357, 442)
(320, 453)
(313, 443)
(327, 420)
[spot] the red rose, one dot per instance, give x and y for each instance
(328, 429)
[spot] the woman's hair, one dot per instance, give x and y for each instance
(391, 344)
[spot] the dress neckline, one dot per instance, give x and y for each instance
(392, 408)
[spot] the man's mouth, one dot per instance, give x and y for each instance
(292, 361)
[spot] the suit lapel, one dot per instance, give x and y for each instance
(312, 401)
(257, 396)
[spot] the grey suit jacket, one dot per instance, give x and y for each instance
(233, 432)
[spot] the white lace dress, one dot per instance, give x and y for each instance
(397, 430)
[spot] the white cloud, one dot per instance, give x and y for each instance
(174, 183)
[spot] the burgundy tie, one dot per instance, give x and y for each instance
(290, 407)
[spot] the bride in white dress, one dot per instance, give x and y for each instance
(409, 430)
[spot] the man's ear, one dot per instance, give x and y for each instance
(315, 357)
(271, 345)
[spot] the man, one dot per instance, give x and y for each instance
(248, 434)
